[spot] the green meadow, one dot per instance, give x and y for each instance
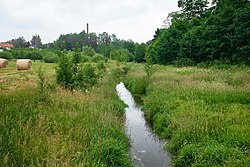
(65, 128)
(203, 114)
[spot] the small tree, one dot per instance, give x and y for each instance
(42, 86)
(85, 78)
(64, 72)
(76, 60)
(98, 58)
(149, 66)
(121, 55)
(50, 57)
(90, 78)
(140, 51)
(73, 74)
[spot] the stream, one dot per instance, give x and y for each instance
(147, 150)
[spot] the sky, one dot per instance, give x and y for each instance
(127, 19)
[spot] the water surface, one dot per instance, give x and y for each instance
(146, 149)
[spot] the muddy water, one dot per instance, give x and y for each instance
(146, 149)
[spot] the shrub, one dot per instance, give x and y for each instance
(221, 64)
(203, 65)
(101, 66)
(19, 53)
(117, 73)
(72, 74)
(86, 58)
(35, 55)
(90, 77)
(98, 58)
(101, 69)
(42, 86)
(64, 72)
(184, 62)
(121, 55)
(85, 78)
(50, 58)
(149, 66)
(6, 55)
(88, 51)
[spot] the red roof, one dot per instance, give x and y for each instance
(6, 45)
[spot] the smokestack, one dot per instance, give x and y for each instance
(87, 28)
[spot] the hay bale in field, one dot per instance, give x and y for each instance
(3, 63)
(23, 64)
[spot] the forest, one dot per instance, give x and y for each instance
(203, 33)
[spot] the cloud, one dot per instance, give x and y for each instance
(128, 19)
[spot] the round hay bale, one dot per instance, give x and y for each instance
(23, 64)
(3, 63)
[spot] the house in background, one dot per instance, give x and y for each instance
(5, 45)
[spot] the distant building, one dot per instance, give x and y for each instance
(5, 45)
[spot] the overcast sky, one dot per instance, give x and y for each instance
(127, 19)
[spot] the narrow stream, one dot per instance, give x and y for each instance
(147, 148)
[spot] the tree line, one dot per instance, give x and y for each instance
(90, 43)
(108, 45)
(21, 42)
(204, 32)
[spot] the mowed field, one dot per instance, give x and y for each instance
(203, 113)
(12, 79)
(63, 129)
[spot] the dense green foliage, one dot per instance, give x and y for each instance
(72, 73)
(34, 55)
(98, 58)
(103, 44)
(121, 55)
(88, 43)
(199, 33)
(50, 57)
(88, 51)
(6, 55)
(140, 52)
(204, 113)
(28, 53)
(64, 71)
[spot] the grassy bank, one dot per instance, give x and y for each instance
(204, 113)
(65, 129)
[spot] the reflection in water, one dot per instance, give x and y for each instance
(147, 149)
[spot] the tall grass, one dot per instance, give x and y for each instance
(204, 113)
(67, 129)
